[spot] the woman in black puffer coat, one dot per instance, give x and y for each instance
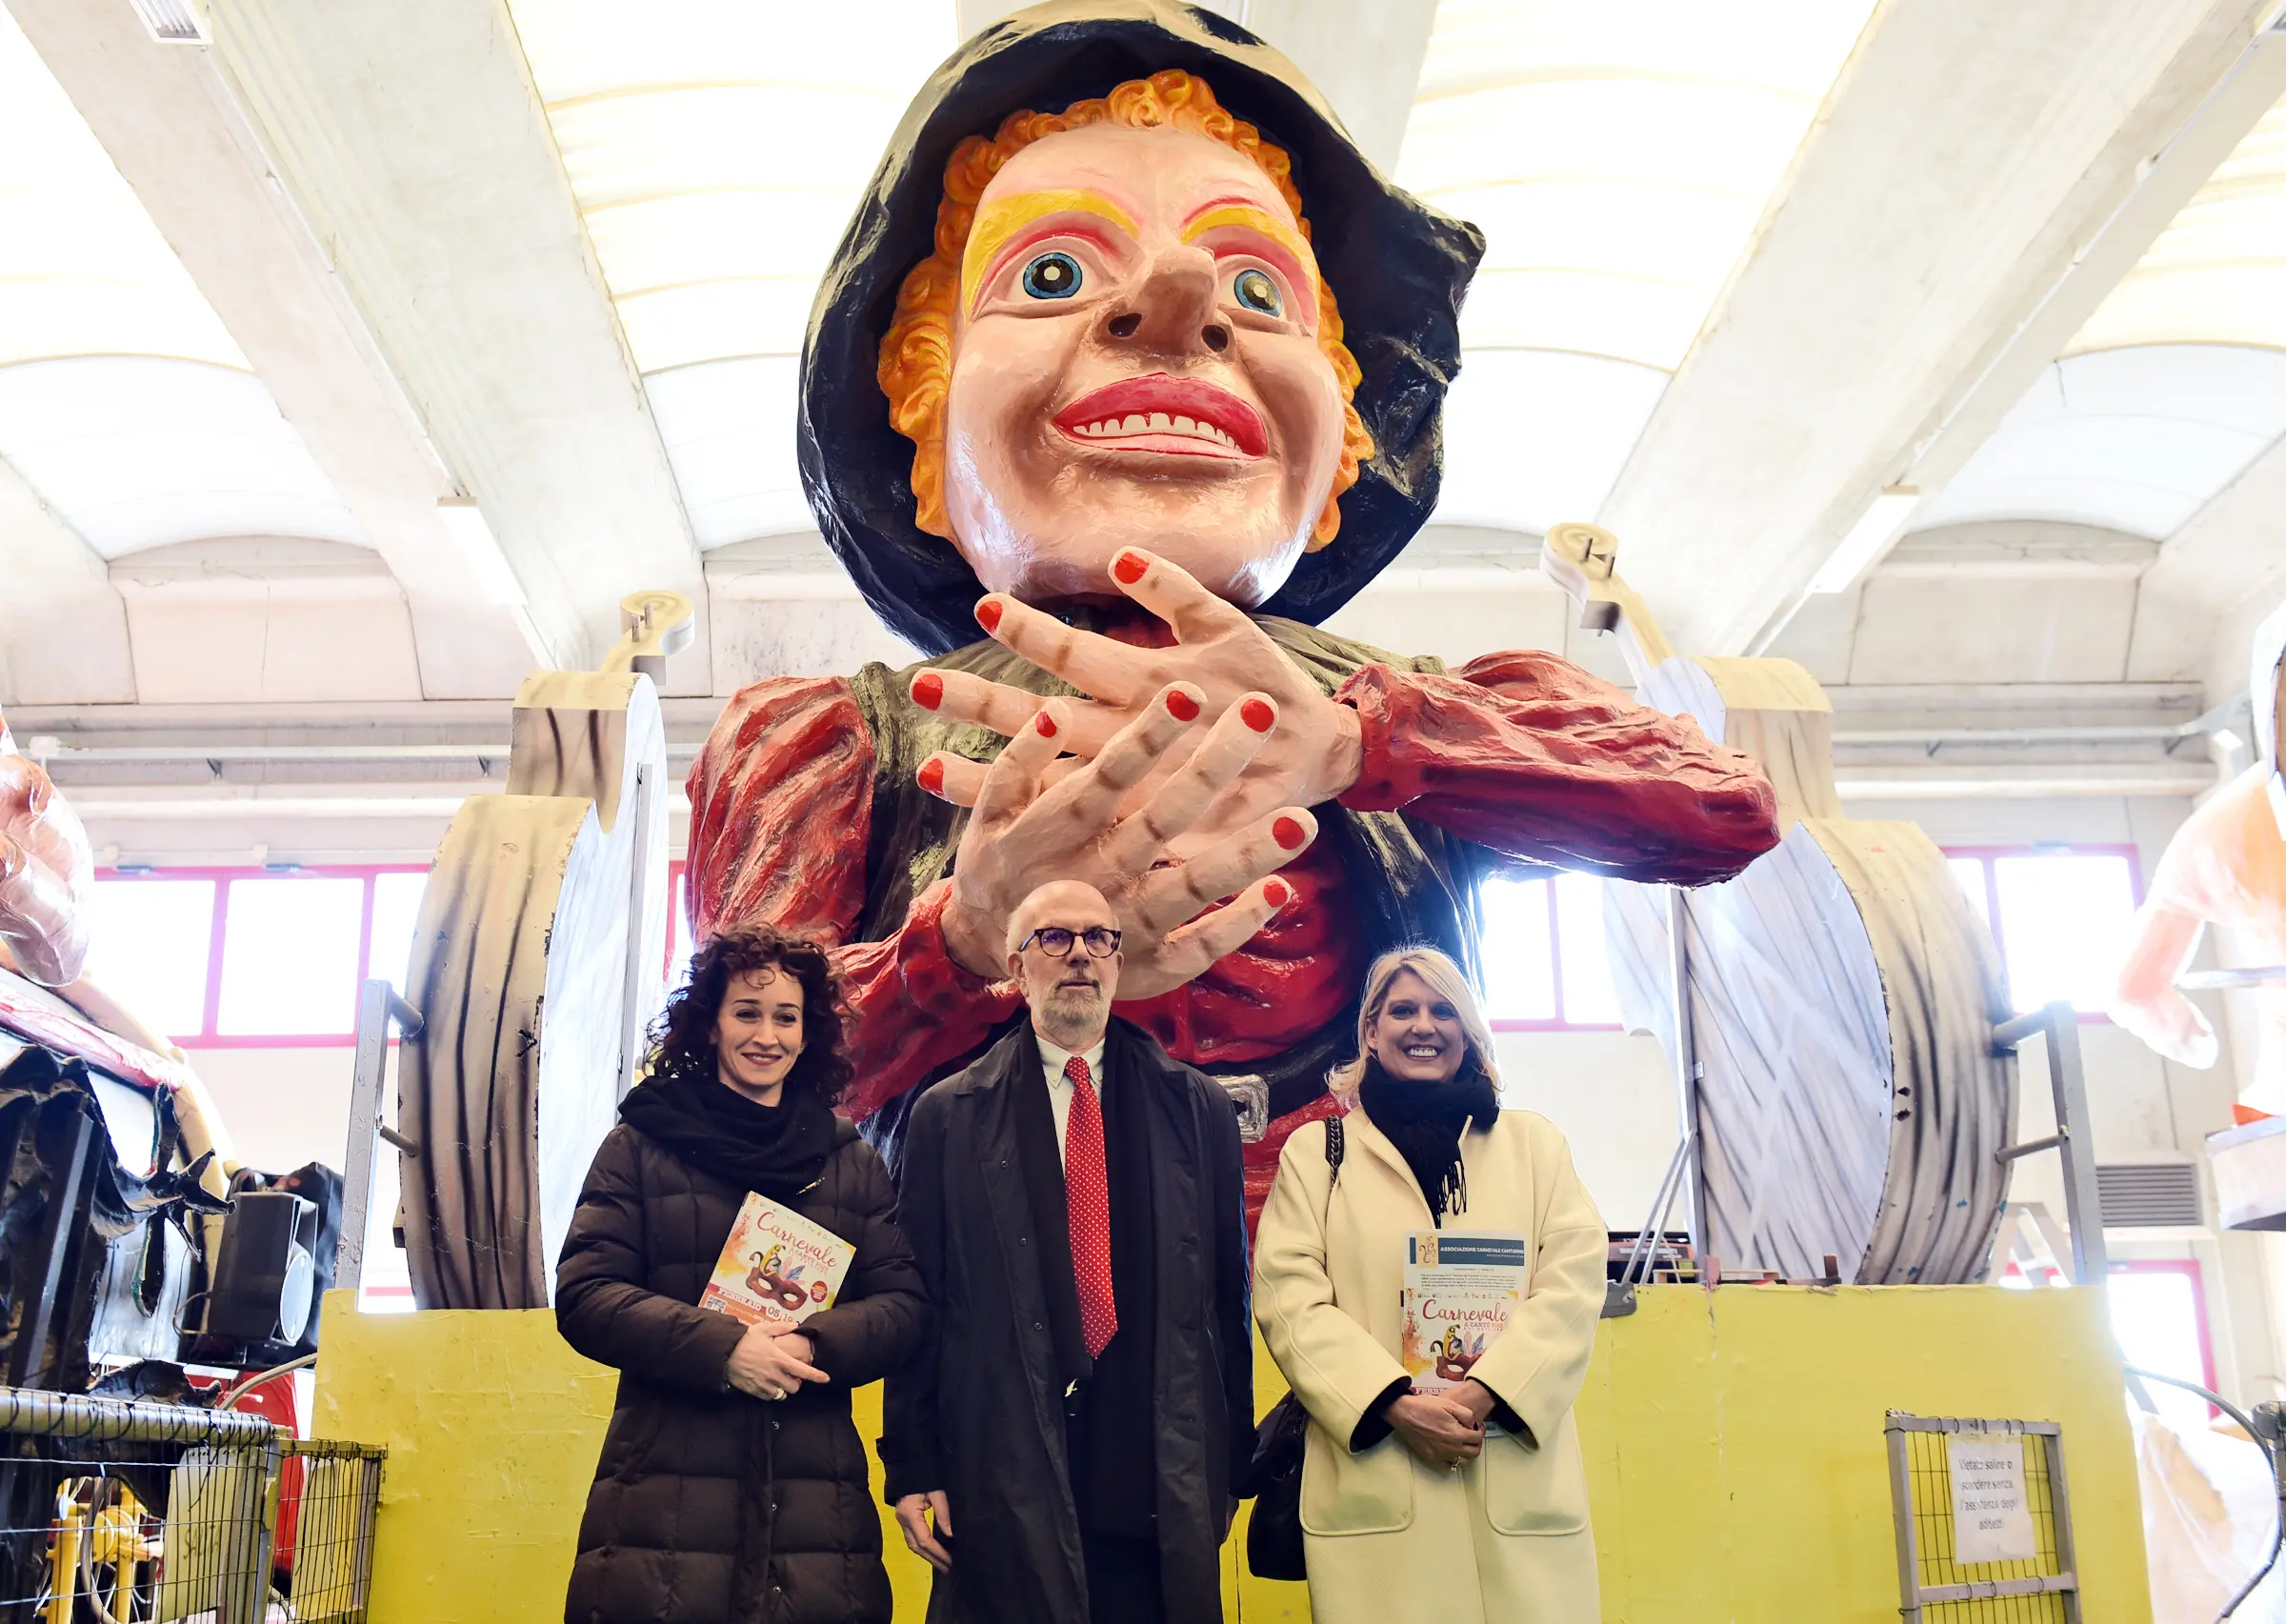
(732, 1487)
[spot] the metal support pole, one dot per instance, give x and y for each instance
(1686, 1070)
(377, 1006)
(631, 986)
(2083, 1200)
(2067, 1083)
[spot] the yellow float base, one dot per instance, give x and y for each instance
(1734, 1442)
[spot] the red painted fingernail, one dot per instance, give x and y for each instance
(1287, 832)
(1046, 723)
(928, 691)
(1181, 706)
(1258, 715)
(1128, 567)
(988, 614)
(1277, 894)
(933, 776)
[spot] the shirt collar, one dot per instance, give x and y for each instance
(1053, 1058)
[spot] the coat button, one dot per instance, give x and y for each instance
(1036, 1324)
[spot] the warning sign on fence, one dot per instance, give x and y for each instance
(1992, 1516)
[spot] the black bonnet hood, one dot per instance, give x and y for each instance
(1399, 268)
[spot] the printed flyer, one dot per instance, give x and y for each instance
(776, 1265)
(1459, 1291)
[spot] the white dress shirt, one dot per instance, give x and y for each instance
(1059, 1085)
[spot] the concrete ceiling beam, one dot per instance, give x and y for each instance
(409, 138)
(1965, 159)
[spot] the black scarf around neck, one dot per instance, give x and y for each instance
(776, 1150)
(1424, 1121)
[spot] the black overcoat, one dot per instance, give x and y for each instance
(711, 1507)
(980, 1412)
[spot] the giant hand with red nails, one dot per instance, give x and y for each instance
(1078, 378)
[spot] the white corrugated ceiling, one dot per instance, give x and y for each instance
(123, 401)
(1620, 160)
(718, 149)
(2173, 387)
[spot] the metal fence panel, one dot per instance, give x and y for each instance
(118, 1513)
(1934, 1586)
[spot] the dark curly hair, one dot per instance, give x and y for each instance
(682, 1039)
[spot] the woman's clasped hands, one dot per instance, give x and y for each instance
(1443, 1429)
(771, 1359)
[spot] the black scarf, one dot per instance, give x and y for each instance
(1424, 1121)
(776, 1150)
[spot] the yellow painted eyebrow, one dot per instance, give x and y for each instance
(998, 221)
(1253, 219)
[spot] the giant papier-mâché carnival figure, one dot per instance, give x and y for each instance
(1077, 376)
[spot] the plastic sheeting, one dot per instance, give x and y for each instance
(2207, 1509)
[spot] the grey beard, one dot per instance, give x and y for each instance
(1074, 1019)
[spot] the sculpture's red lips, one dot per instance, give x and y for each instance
(1181, 416)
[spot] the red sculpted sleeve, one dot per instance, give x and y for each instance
(1528, 754)
(781, 807)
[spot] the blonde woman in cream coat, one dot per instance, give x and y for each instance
(1413, 1509)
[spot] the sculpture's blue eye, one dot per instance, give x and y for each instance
(1257, 292)
(1051, 276)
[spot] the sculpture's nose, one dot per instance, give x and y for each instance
(1172, 309)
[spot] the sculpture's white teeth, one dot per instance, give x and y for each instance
(1155, 423)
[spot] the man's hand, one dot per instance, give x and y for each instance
(1220, 656)
(46, 872)
(1024, 831)
(913, 1513)
(770, 1360)
(1435, 1428)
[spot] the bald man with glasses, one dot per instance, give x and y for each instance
(1065, 1447)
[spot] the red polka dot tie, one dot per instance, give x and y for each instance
(1088, 1205)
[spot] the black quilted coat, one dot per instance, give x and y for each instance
(711, 1507)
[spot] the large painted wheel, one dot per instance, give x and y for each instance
(537, 967)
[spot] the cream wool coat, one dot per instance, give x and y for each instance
(1389, 1540)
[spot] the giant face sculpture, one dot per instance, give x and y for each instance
(1137, 362)
(1123, 339)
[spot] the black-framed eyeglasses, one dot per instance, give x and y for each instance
(1102, 941)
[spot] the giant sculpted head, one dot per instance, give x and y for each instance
(1123, 338)
(1090, 304)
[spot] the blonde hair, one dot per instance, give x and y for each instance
(1446, 980)
(915, 367)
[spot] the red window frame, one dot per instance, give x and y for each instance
(1555, 965)
(207, 1037)
(1985, 854)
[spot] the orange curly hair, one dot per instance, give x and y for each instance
(916, 370)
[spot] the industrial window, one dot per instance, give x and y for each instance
(251, 957)
(153, 947)
(2059, 914)
(1545, 967)
(2160, 1317)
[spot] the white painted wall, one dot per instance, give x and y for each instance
(284, 1107)
(1613, 1096)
